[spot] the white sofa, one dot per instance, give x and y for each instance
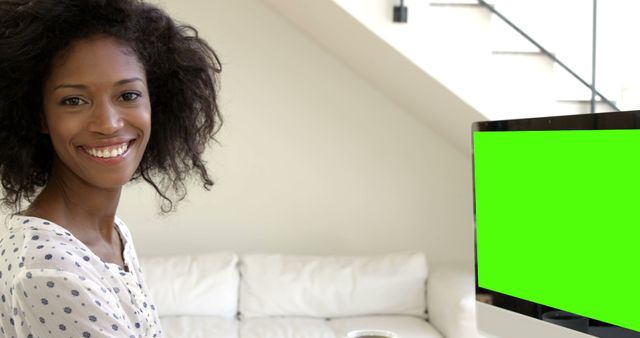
(225, 295)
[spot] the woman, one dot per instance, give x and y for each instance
(93, 94)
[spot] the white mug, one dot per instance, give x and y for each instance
(371, 333)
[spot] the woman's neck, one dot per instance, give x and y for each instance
(87, 212)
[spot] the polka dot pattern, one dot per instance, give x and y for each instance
(52, 285)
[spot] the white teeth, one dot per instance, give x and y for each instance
(108, 152)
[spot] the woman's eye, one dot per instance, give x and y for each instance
(72, 101)
(129, 96)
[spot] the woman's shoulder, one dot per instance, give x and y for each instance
(26, 233)
(31, 243)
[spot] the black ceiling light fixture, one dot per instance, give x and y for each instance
(400, 13)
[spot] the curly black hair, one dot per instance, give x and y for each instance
(182, 74)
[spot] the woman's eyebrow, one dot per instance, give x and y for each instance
(81, 86)
(124, 81)
(68, 85)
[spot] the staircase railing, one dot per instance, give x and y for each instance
(543, 50)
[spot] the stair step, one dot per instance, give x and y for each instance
(533, 53)
(579, 107)
(629, 98)
(440, 4)
(455, 3)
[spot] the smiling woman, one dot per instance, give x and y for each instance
(97, 113)
(93, 94)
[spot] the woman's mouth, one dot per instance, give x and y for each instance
(110, 151)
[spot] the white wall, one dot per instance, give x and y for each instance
(313, 160)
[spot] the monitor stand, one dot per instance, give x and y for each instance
(495, 322)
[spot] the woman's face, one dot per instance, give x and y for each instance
(97, 112)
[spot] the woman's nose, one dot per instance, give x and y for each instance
(105, 118)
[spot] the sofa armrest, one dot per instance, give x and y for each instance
(451, 300)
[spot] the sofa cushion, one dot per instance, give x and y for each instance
(325, 287)
(199, 327)
(289, 327)
(403, 326)
(200, 285)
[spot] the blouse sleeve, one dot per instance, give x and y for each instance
(56, 303)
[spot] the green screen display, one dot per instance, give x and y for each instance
(558, 219)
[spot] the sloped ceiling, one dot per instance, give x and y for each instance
(384, 67)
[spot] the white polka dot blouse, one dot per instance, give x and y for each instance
(52, 285)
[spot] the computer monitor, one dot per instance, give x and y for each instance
(557, 221)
